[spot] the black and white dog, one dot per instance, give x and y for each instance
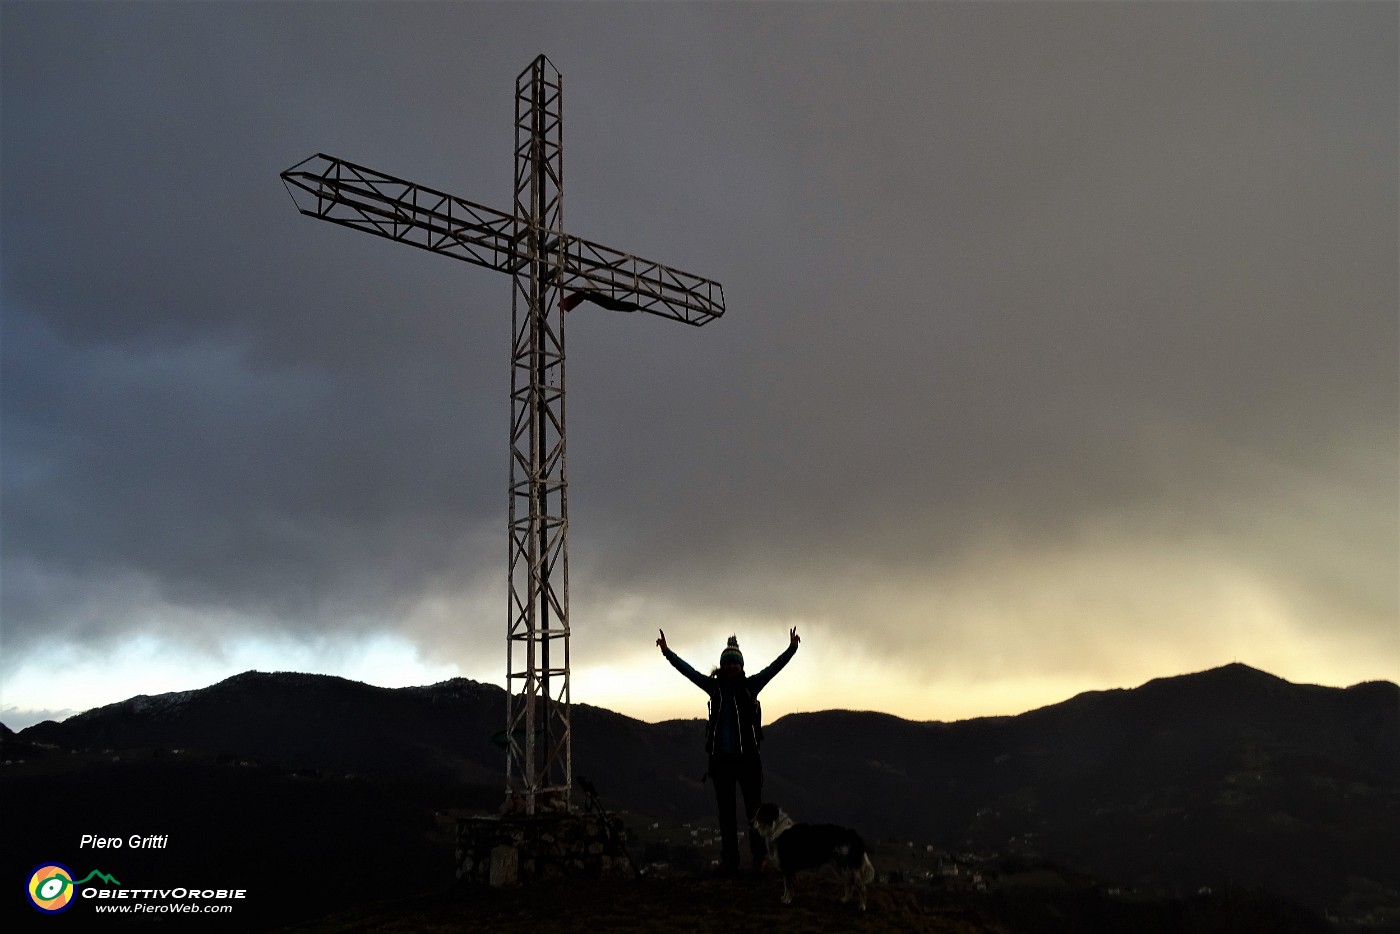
(795, 847)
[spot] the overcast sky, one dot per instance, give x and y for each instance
(1060, 352)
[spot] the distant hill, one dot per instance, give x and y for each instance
(1226, 777)
(311, 723)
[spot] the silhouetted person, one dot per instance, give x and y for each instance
(732, 738)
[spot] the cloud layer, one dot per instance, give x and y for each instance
(1061, 344)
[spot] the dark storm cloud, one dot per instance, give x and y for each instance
(191, 401)
(1013, 289)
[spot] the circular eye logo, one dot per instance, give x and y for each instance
(51, 888)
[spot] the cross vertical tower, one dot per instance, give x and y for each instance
(553, 272)
(539, 513)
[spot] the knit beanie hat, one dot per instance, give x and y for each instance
(731, 652)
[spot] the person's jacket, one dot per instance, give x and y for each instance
(735, 701)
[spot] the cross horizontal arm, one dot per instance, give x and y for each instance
(354, 196)
(642, 284)
(351, 195)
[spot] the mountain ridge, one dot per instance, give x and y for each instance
(1226, 776)
(1232, 669)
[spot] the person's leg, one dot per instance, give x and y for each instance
(724, 775)
(751, 784)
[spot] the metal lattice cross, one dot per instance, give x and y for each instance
(553, 272)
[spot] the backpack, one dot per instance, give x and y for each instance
(742, 697)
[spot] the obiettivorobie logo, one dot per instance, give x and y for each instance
(51, 886)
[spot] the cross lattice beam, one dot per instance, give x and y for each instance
(341, 192)
(552, 272)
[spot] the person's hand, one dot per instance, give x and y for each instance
(662, 641)
(794, 636)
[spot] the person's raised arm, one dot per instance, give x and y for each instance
(760, 680)
(678, 663)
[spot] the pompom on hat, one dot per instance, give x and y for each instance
(731, 652)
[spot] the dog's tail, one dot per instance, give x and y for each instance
(866, 870)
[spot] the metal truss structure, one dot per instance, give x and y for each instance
(553, 271)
